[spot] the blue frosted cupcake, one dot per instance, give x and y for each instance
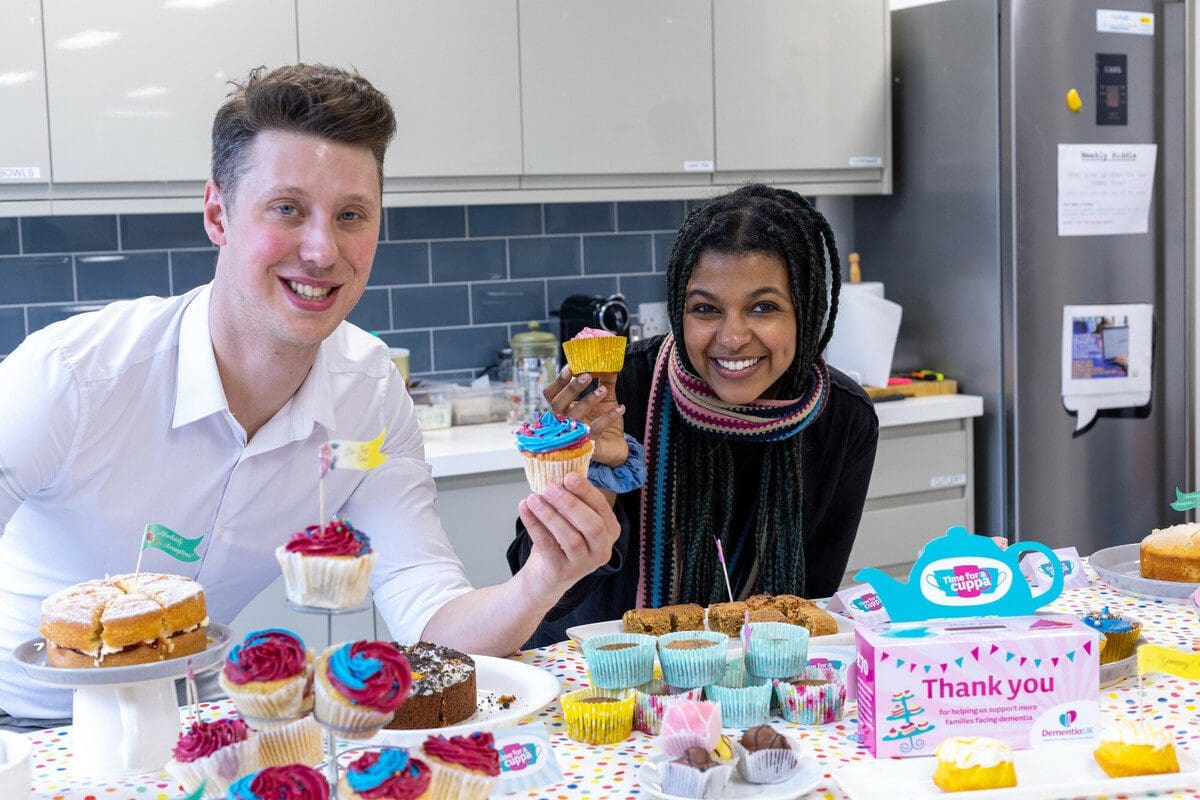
(777, 649)
(620, 660)
(692, 658)
(815, 698)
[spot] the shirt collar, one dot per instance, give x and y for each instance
(199, 392)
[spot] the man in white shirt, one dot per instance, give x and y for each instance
(204, 412)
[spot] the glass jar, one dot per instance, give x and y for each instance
(535, 365)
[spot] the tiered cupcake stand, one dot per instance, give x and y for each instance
(126, 719)
(332, 731)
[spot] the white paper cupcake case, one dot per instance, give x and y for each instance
(325, 582)
(297, 742)
(285, 702)
(348, 721)
(542, 474)
(450, 783)
(220, 769)
(685, 781)
(766, 766)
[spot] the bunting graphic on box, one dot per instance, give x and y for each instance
(347, 454)
(995, 652)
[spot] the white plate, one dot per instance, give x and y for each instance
(534, 689)
(1063, 770)
(845, 634)
(1121, 568)
(804, 781)
(31, 660)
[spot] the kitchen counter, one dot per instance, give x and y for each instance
(479, 449)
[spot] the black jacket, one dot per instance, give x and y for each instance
(837, 451)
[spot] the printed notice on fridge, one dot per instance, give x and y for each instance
(1105, 189)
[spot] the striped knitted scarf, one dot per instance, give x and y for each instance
(674, 390)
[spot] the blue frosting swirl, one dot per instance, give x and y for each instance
(353, 670)
(240, 790)
(551, 433)
(391, 761)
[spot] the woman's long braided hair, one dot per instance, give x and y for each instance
(752, 219)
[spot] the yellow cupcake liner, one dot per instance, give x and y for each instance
(598, 354)
(1120, 644)
(598, 723)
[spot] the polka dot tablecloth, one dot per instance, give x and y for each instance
(611, 772)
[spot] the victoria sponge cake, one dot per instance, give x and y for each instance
(124, 619)
(1172, 554)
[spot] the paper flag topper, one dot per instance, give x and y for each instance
(346, 454)
(1156, 658)
(1185, 502)
(963, 575)
(177, 547)
(199, 793)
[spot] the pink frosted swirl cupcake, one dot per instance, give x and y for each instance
(293, 782)
(388, 775)
(360, 685)
(269, 676)
(464, 767)
(327, 566)
(217, 752)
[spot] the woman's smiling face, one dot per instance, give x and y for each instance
(739, 323)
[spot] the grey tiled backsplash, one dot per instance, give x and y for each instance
(451, 284)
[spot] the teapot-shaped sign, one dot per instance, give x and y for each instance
(963, 575)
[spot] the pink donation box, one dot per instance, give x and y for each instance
(1025, 680)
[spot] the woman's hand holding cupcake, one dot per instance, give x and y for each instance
(599, 409)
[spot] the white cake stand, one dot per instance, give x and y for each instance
(126, 719)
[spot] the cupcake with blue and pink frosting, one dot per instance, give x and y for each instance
(554, 447)
(389, 774)
(268, 675)
(292, 782)
(359, 686)
(327, 566)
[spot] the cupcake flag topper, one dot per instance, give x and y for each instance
(724, 569)
(1185, 501)
(163, 538)
(1156, 658)
(746, 634)
(200, 790)
(347, 454)
(193, 694)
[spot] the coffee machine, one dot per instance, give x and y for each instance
(581, 311)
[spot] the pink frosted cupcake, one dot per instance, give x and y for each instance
(269, 676)
(463, 767)
(595, 351)
(327, 567)
(359, 686)
(293, 782)
(553, 448)
(218, 752)
(390, 774)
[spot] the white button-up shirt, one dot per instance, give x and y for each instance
(115, 419)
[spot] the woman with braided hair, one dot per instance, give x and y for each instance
(740, 430)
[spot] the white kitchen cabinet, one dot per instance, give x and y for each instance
(802, 88)
(24, 139)
(133, 86)
(450, 68)
(619, 87)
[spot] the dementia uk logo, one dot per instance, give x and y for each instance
(1068, 727)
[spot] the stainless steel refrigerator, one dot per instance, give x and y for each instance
(968, 244)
